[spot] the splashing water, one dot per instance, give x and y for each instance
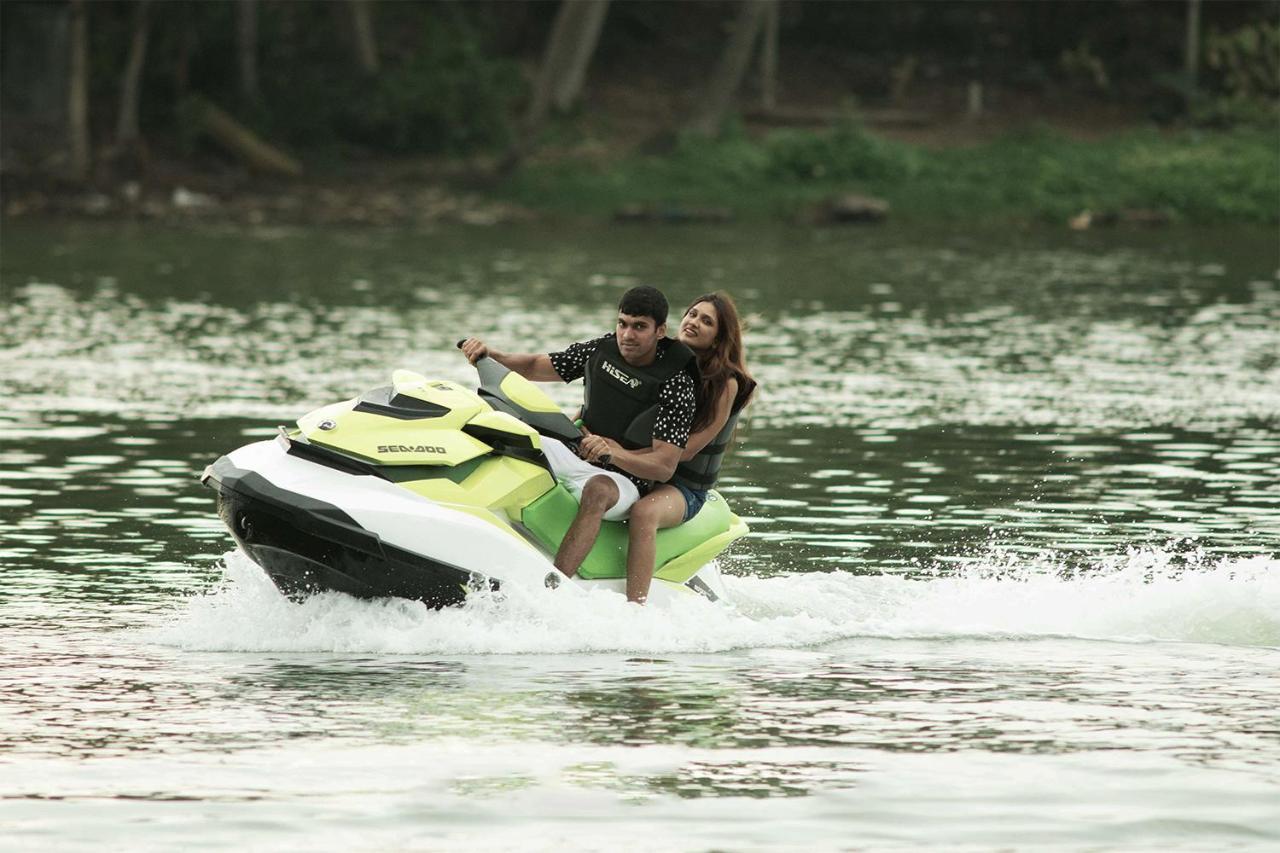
(1144, 595)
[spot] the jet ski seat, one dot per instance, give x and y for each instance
(548, 518)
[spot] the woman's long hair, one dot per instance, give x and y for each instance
(725, 360)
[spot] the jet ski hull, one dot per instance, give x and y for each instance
(306, 545)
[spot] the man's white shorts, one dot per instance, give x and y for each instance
(574, 472)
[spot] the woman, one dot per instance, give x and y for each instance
(711, 329)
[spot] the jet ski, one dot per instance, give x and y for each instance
(427, 490)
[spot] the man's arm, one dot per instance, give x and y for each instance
(657, 462)
(531, 365)
(676, 403)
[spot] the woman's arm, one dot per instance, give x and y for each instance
(701, 438)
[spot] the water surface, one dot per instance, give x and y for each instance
(1013, 580)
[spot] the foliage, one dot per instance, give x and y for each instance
(449, 83)
(1192, 175)
(1080, 63)
(1246, 62)
(442, 88)
(1248, 59)
(847, 153)
(736, 164)
(447, 97)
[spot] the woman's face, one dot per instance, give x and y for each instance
(699, 326)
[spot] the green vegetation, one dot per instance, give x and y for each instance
(376, 96)
(1246, 63)
(446, 96)
(444, 93)
(1192, 176)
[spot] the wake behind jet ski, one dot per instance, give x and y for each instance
(424, 489)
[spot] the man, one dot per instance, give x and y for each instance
(638, 406)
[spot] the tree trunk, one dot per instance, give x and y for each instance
(247, 48)
(555, 61)
(366, 46)
(127, 132)
(78, 91)
(974, 100)
(182, 62)
(769, 59)
(569, 87)
(732, 67)
(573, 39)
(1192, 55)
(239, 140)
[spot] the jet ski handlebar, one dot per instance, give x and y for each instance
(552, 424)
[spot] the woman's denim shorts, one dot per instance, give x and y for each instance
(693, 500)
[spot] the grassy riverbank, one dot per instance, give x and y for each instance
(1042, 176)
(1039, 175)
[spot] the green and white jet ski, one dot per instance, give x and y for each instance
(424, 489)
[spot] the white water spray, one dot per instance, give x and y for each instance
(1148, 594)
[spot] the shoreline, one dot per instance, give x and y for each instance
(1140, 177)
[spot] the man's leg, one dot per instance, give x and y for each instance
(598, 496)
(663, 507)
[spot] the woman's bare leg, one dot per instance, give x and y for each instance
(663, 507)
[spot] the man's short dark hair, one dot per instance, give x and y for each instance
(645, 301)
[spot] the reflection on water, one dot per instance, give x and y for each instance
(893, 498)
(753, 779)
(860, 369)
(94, 499)
(900, 330)
(786, 706)
(1015, 511)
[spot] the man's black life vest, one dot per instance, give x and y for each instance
(620, 400)
(700, 472)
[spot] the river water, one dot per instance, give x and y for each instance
(1014, 577)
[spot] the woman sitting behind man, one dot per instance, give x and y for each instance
(711, 328)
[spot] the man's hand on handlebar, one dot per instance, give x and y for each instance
(597, 448)
(474, 349)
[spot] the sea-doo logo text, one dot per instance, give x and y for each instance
(619, 375)
(410, 448)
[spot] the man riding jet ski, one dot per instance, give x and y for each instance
(640, 391)
(424, 489)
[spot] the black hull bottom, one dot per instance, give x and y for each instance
(306, 548)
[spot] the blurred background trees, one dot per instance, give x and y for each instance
(86, 83)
